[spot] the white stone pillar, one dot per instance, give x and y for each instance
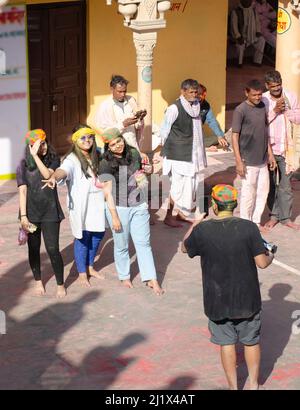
(145, 18)
(288, 54)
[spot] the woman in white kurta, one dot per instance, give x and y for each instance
(85, 199)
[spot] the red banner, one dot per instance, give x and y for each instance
(12, 16)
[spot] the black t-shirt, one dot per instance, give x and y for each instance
(230, 282)
(252, 125)
(126, 193)
(42, 204)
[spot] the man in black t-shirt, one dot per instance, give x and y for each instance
(252, 152)
(230, 249)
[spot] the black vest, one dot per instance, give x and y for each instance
(205, 107)
(179, 144)
(240, 17)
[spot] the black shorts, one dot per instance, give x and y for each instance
(230, 331)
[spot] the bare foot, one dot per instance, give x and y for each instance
(127, 283)
(151, 220)
(61, 292)
(271, 223)
(171, 221)
(83, 279)
(96, 274)
(292, 225)
(39, 289)
(153, 284)
(181, 217)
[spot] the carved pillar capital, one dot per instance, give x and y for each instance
(144, 44)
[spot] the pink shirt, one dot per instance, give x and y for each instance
(266, 14)
(278, 123)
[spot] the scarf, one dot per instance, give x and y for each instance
(250, 28)
(287, 145)
(289, 141)
(199, 156)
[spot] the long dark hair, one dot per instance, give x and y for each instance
(116, 162)
(47, 159)
(94, 155)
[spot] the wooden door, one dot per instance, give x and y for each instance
(57, 69)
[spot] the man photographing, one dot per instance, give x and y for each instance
(121, 111)
(231, 249)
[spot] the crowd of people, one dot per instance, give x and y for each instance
(253, 23)
(111, 183)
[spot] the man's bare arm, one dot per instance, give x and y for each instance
(240, 165)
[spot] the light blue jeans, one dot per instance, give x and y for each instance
(135, 222)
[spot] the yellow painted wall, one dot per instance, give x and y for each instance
(192, 46)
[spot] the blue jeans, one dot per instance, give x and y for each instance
(135, 222)
(85, 249)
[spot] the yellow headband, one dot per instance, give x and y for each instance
(81, 132)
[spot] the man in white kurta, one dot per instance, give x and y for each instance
(119, 111)
(185, 175)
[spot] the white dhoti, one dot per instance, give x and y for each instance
(187, 186)
(184, 192)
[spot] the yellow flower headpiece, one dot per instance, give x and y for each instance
(81, 132)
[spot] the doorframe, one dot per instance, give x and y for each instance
(63, 4)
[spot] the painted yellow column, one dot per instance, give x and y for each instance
(288, 53)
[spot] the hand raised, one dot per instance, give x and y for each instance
(280, 106)
(34, 149)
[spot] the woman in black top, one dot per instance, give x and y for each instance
(40, 208)
(122, 164)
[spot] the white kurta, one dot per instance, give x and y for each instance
(85, 201)
(111, 114)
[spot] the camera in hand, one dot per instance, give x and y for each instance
(270, 247)
(140, 113)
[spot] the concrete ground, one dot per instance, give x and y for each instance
(109, 337)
